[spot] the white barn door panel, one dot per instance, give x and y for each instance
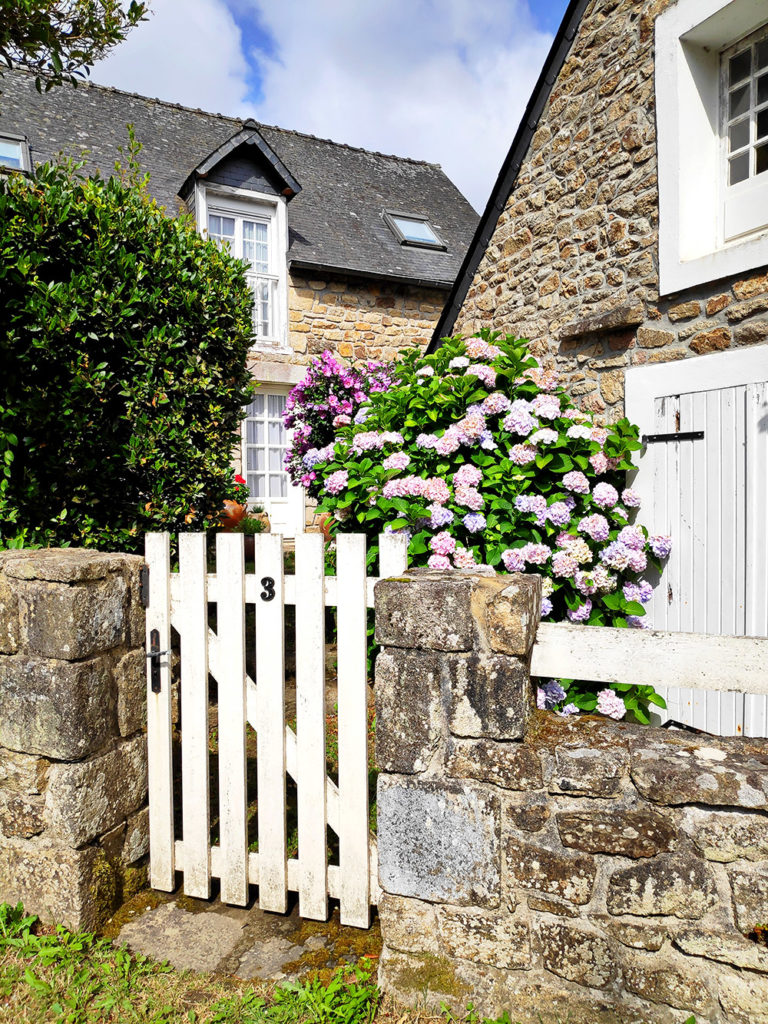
(710, 495)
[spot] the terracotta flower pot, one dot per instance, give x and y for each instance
(232, 514)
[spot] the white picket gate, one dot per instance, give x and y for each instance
(180, 600)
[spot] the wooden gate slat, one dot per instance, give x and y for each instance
(233, 799)
(159, 724)
(194, 715)
(270, 763)
(310, 726)
(353, 730)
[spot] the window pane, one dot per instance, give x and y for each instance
(416, 230)
(256, 458)
(739, 169)
(258, 402)
(738, 134)
(275, 458)
(762, 124)
(221, 229)
(256, 485)
(739, 102)
(277, 485)
(739, 67)
(255, 245)
(762, 89)
(277, 434)
(761, 159)
(10, 154)
(276, 405)
(254, 432)
(762, 54)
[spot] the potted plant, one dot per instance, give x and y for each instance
(236, 508)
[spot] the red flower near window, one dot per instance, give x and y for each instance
(239, 479)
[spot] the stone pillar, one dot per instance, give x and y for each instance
(452, 700)
(73, 770)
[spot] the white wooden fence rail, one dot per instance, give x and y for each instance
(181, 600)
(695, 660)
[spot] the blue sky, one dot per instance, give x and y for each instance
(441, 80)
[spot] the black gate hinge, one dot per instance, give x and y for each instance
(144, 586)
(682, 435)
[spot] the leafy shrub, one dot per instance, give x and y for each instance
(477, 455)
(328, 397)
(123, 341)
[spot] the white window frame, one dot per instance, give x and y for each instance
(690, 37)
(21, 142)
(289, 510)
(227, 201)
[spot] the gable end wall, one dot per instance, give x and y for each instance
(573, 261)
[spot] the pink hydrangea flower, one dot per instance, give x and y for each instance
(470, 498)
(638, 561)
(458, 363)
(436, 490)
(546, 407)
(495, 404)
(544, 436)
(341, 420)
(397, 460)
(559, 514)
(479, 349)
(337, 481)
(610, 703)
(513, 560)
(595, 526)
(522, 454)
(438, 562)
(605, 495)
(442, 544)
(471, 428)
(583, 583)
(599, 434)
(632, 537)
(599, 462)
(536, 554)
(467, 476)
(576, 481)
(564, 564)
(449, 442)
(463, 559)
(603, 580)
(630, 498)
(425, 371)
(484, 373)
(404, 487)
(546, 379)
(519, 420)
(535, 504)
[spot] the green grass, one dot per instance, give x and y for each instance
(54, 976)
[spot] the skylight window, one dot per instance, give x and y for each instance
(411, 230)
(13, 153)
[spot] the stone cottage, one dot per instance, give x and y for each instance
(627, 236)
(348, 250)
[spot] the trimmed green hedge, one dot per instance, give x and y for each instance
(123, 343)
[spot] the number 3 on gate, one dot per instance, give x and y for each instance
(268, 592)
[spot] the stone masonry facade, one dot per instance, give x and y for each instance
(354, 318)
(573, 261)
(73, 755)
(581, 870)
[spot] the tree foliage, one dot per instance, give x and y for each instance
(62, 39)
(123, 342)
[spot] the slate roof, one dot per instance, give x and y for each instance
(335, 221)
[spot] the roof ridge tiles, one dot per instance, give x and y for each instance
(90, 84)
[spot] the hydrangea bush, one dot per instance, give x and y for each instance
(479, 457)
(327, 398)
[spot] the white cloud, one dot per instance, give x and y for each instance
(441, 80)
(188, 52)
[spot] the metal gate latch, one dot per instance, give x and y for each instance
(681, 435)
(154, 656)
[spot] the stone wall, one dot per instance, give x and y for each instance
(357, 319)
(573, 261)
(580, 870)
(73, 764)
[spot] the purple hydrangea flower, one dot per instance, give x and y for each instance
(661, 545)
(513, 560)
(569, 709)
(439, 516)
(582, 613)
(474, 522)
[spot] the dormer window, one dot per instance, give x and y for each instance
(411, 230)
(14, 153)
(253, 230)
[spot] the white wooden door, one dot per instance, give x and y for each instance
(710, 494)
